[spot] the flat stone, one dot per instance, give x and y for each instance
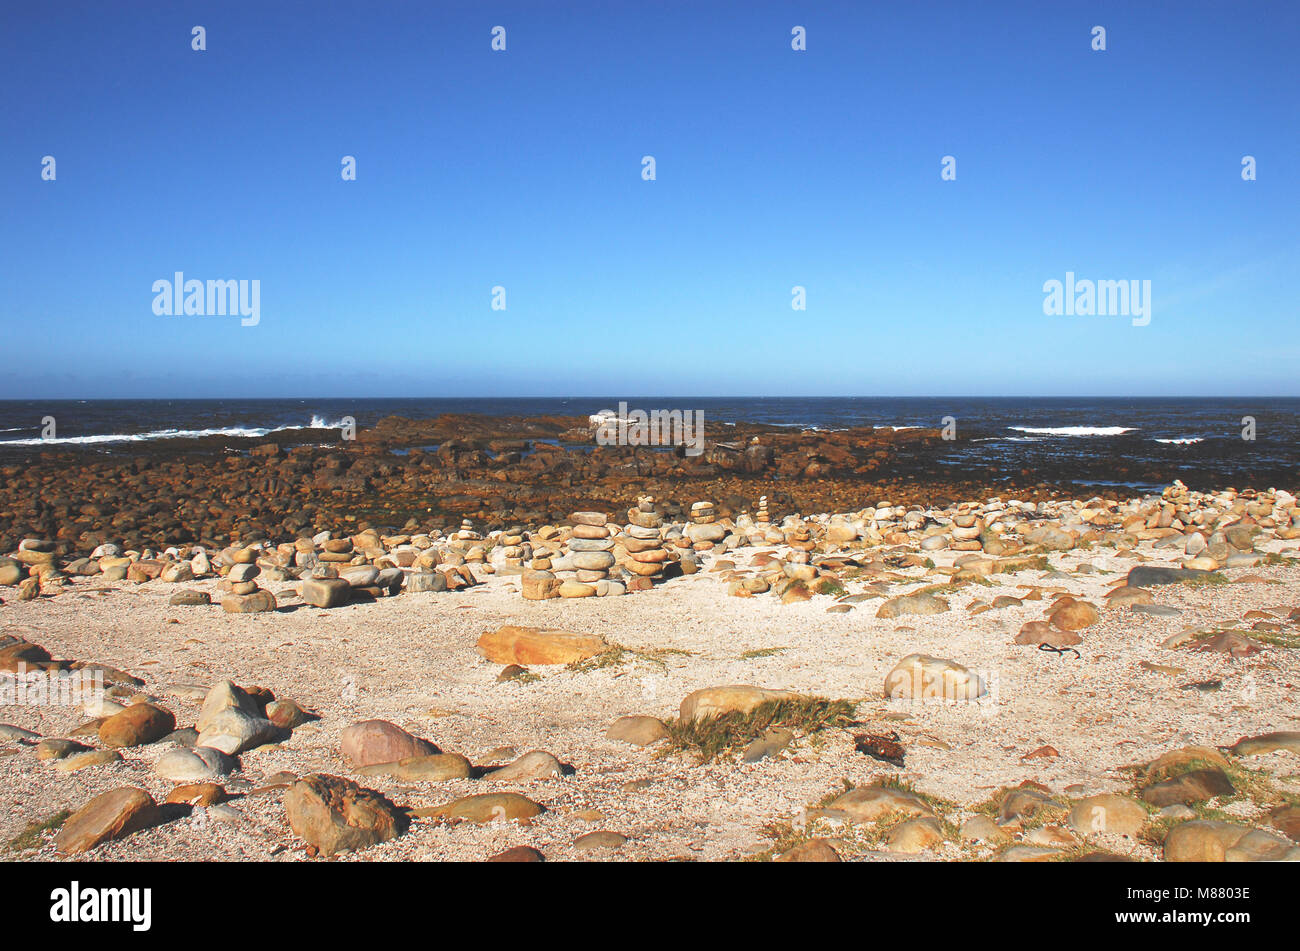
(814, 850)
(485, 807)
(1108, 813)
(736, 698)
(1197, 785)
(920, 676)
(599, 841)
(537, 764)
(112, 815)
(432, 768)
(201, 764)
(1208, 840)
(637, 730)
(921, 603)
(869, 803)
(513, 644)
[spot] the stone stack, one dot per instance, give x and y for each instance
(799, 537)
(966, 529)
(704, 532)
(246, 596)
(643, 541)
(590, 556)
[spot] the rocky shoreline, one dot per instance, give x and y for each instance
(1100, 678)
(503, 472)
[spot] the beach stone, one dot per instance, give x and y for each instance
(538, 585)
(378, 741)
(869, 803)
(422, 581)
(537, 764)
(200, 764)
(286, 714)
(984, 829)
(906, 604)
(1209, 840)
(1171, 763)
(915, 835)
(637, 730)
(1126, 596)
(137, 725)
(1108, 813)
(920, 676)
(326, 592)
(200, 795)
(1144, 576)
(1286, 819)
(361, 576)
(599, 841)
(576, 589)
(1198, 785)
(513, 644)
(54, 749)
(814, 850)
(335, 814)
(111, 815)
(486, 807)
(1029, 853)
(234, 731)
(1073, 616)
(78, 761)
(1042, 632)
(11, 732)
(737, 698)
(226, 695)
(1025, 802)
(519, 853)
(254, 603)
(1267, 743)
(190, 599)
(1157, 610)
(767, 746)
(431, 768)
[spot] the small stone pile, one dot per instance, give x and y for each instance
(761, 516)
(591, 554)
(642, 539)
(246, 596)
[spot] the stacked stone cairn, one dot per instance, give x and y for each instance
(642, 541)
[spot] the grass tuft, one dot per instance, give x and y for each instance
(33, 837)
(712, 737)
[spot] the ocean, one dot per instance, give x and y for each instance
(1169, 435)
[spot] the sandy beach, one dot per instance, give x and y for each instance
(1077, 725)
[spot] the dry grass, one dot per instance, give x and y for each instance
(711, 737)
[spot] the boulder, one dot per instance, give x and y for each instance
(337, 815)
(513, 644)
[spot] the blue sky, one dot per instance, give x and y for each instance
(522, 169)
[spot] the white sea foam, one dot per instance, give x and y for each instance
(1074, 430)
(238, 432)
(1183, 441)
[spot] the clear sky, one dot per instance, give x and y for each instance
(774, 168)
